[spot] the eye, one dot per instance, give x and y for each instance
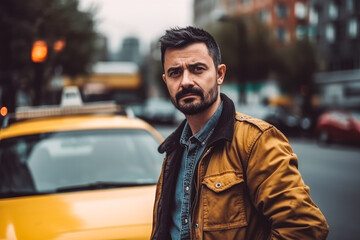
(175, 73)
(198, 69)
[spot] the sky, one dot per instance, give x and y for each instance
(145, 19)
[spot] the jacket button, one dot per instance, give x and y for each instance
(218, 185)
(196, 225)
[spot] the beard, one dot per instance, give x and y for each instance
(190, 107)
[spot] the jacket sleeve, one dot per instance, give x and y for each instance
(279, 192)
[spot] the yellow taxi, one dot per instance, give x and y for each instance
(77, 172)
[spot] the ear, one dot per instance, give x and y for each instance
(221, 74)
(164, 77)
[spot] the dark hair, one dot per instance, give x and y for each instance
(181, 37)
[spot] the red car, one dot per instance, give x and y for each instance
(338, 125)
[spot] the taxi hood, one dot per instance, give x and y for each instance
(121, 213)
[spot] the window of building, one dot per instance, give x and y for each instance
(281, 10)
(282, 34)
(330, 33)
(350, 5)
(333, 11)
(300, 10)
(313, 16)
(264, 15)
(352, 28)
(312, 32)
(301, 32)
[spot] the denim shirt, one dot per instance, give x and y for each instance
(194, 147)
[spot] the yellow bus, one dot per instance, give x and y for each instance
(118, 81)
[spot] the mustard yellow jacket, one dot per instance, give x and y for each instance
(247, 185)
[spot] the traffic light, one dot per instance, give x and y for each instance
(59, 45)
(39, 51)
(3, 111)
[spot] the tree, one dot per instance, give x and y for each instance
(24, 22)
(295, 65)
(246, 50)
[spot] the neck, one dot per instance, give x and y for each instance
(198, 121)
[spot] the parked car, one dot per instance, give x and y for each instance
(77, 173)
(158, 110)
(282, 118)
(338, 125)
(285, 120)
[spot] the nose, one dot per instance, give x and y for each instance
(187, 80)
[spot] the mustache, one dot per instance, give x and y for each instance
(191, 90)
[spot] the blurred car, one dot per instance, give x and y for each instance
(338, 125)
(284, 120)
(77, 173)
(281, 117)
(256, 110)
(158, 110)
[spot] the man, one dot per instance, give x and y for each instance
(226, 175)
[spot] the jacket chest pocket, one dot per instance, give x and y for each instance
(223, 202)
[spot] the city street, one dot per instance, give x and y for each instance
(332, 172)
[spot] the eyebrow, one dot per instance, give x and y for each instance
(192, 65)
(197, 64)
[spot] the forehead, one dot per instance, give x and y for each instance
(195, 52)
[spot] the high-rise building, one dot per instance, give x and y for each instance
(335, 28)
(102, 48)
(130, 50)
(287, 19)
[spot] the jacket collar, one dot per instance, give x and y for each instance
(223, 131)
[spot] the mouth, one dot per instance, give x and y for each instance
(189, 95)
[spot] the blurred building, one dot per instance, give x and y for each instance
(288, 20)
(207, 11)
(102, 48)
(130, 50)
(334, 27)
(339, 89)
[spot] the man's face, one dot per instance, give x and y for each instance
(192, 79)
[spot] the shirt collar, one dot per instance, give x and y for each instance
(203, 135)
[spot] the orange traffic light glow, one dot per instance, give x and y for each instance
(3, 111)
(39, 51)
(59, 45)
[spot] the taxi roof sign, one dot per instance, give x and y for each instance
(71, 96)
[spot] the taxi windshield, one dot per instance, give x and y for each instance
(44, 163)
